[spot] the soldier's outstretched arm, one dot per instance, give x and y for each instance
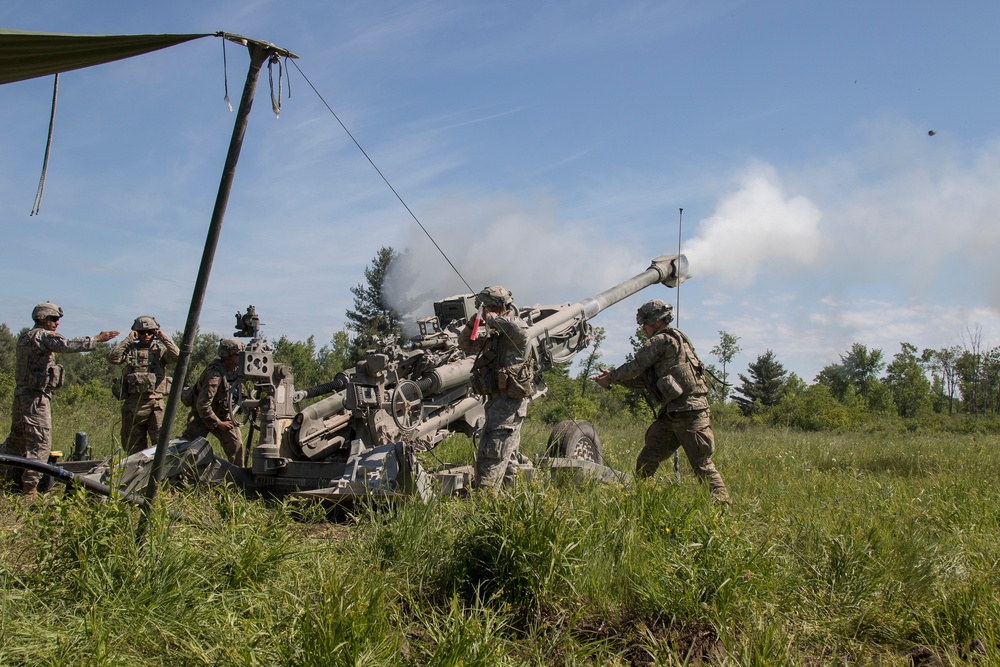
(55, 342)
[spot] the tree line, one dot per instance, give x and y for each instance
(922, 387)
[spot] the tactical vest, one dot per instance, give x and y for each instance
(490, 377)
(35, 367)
(144, 371)
(688, 372)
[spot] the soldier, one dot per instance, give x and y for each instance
(667, 367)
(210, 410)
(35, 376)
(145, 353)
(502, 372)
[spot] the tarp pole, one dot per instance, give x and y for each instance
(258, 55)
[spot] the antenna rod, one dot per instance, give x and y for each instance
(677, 323)
(680, 226)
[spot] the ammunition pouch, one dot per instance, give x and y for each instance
(187, 396)
(515, 381)
(54, 376)
(137, 383)
(669, 389)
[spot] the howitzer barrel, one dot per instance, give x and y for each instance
(670, 270)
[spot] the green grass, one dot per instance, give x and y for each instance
(838, 549)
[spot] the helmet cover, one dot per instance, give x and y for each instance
(495, 296)
(145, 323)
(46, 310)
(229, 346)
(654, 311)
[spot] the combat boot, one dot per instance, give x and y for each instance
(29, 491)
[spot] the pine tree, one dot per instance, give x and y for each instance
(767, 377)
(372, 316)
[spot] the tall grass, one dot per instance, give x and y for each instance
(838, 549)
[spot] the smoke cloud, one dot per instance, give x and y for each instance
(757, 225)
(498, 241)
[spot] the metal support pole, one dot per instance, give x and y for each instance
(258, 55)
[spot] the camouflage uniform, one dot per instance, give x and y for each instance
(501, 352)
(667, 367)
(211, 408)
(144, 385)
(35, 376)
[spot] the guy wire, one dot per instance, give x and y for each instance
(379, 171)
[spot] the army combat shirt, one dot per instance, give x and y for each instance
(211, 404)
(662, 355)
(35, 368)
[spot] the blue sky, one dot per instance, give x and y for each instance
(547, 146)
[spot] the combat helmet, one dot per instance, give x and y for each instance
(45, 310)
(495, 296)
(654, 311)
(228, 347)
(145, 323)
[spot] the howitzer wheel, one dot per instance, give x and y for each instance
(575, 439)
(407, 405)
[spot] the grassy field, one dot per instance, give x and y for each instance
(839, 549)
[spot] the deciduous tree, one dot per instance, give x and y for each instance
(724, 352)
(906, 380)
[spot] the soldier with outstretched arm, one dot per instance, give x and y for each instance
(146, 352)
(501, 373)
(35, 376)
(667, 367)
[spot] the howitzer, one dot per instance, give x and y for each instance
(362, 437)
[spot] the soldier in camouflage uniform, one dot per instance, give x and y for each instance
(35, 375)
(145, 353)
(210, 411)
(502, 372)
(667, 367)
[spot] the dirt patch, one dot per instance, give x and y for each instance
(637, 639)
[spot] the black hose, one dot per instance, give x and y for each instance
(69, 478)
(339, 383)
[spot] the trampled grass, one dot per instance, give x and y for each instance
(839, 549)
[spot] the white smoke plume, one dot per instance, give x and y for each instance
(757, 225)
(496, 241)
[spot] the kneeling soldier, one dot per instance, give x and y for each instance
(210, 410)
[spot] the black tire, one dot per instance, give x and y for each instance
(576, 439)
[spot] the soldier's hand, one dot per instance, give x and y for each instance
(603, 380)
(105, 336)
(132, 335)
(160, 334)
(226, 425)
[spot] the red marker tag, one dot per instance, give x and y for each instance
(475, 323)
